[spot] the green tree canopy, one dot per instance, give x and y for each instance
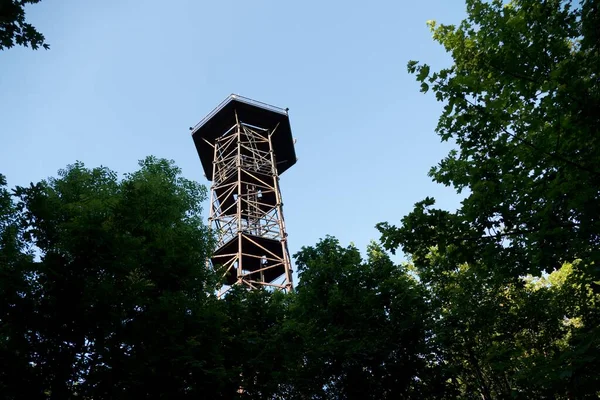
(106, 292)
(521, 104)
(15, 30)
(360, 325)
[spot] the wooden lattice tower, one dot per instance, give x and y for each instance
(244, 146)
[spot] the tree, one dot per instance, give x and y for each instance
(105, 294)
(15, 30)
(521, 104)
(14, 306)
(118, 302)
(360, 325)
(255, 347)
(500, 339)
(521, 101)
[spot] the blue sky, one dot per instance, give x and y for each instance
(125, 79)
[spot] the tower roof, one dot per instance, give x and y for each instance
(249, 112)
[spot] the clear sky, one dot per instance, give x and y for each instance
(125, 79)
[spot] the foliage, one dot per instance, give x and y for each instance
(14, 29)
(360, 324)
(104, 291)
(502, 339)
(255, 348)
(116, 303)
(105, 294)
(521, 104)
(521, 101)
(13, 262)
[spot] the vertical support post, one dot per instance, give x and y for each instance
(239, 198)
(286, 255)
(211, 211)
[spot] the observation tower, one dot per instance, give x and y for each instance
(244, 145)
